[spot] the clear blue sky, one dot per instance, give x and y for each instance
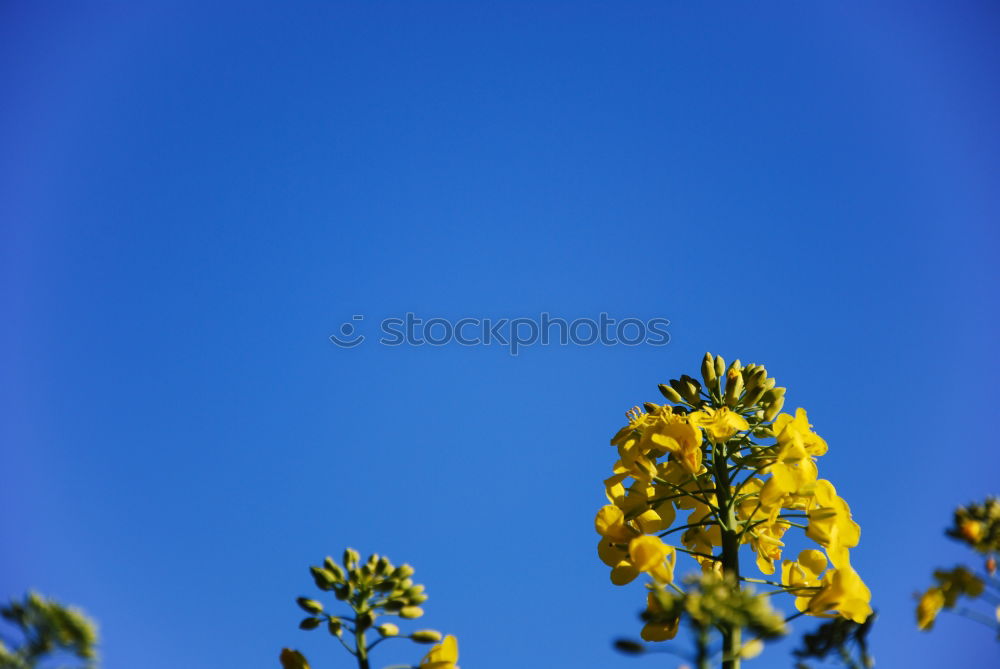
(192, 199)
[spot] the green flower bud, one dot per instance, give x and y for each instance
(342, 592)
(629, 647)
(411, 612)
(309, 605)
(418, 599)
(333, 568)
(670, 393)
(403, 571)
(293, 659)
(323, 578)
(386, 585)
(720, 366)
(650, 407)
(309, 623)
(335, 627)
(383, 566)
(387, 629)
(393, 606)
(775, 406)
(753, 395)
(426, 636)
(690, 389)
(708, 373)
(351, 558)
(734, 387)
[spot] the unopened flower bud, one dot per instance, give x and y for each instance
(333, 568)
(411, 612)
(720, 365)
(691, 390)
(309, 605)
(708, 372)
(734, 387)
(323, 578)
(629, 647)
(670, 393)
(387, 629)
(334, 626)
(772, 410)
(426, 636)
(351, 558)
(753, 395)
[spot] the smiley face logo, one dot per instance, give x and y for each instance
(348, 338)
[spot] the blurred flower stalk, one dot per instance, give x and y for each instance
(371, 590)
(978, 527)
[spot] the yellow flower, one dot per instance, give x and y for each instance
(703, 539)
(843, 592)
(610, 552)
(765, 540)
(793, 468)
(610, 524)
(830, 524)
(442, 656)
(658, 631)
(803, 576)
(931, 603)
(672, 433)
(649, 554)
(719, 424)
(798, 430)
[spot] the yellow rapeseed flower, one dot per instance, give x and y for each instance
(931, 603)
(719, 424)
(443, 655)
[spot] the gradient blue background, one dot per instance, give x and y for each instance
(193, 198)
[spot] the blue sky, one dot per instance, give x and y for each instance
(194, 199)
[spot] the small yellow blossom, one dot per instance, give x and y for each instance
(931, 603)
(442, 656)
(719, 424)
(651, 555)
(798, 430)
(843, 592)
(658, 631)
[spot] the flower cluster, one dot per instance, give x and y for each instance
(710, 599)
(744, 474)
(49, 630)
(978, 526)
(371, 589)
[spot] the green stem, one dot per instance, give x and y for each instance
(703, 657)
(361, 648)
(730, 551)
